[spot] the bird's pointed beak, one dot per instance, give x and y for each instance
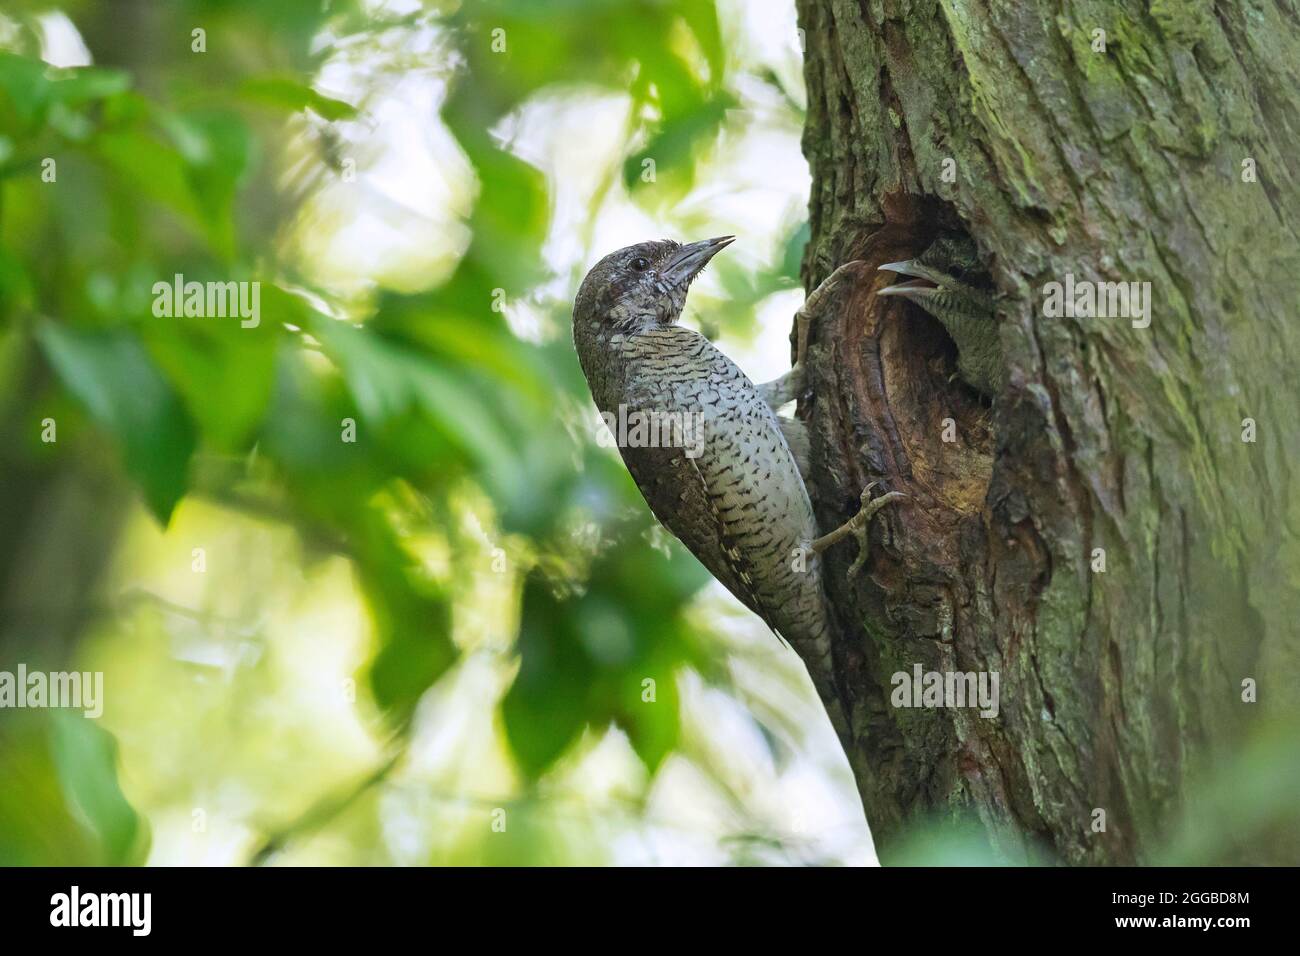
(909, 290)
(904, 267)
(912, 289)
(691, 259)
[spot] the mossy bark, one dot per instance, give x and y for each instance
(1128, 163)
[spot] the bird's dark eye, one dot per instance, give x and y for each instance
(640, 263)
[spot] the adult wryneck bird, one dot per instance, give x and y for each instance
(737, 499)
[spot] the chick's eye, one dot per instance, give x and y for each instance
(640, 263)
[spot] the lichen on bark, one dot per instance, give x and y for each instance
(1120, 163)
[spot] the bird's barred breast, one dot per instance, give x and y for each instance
(761, 513)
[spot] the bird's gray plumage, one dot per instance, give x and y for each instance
(740, 506)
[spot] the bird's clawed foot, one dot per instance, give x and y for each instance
(813, 305)
(787, 388)
(858, 526)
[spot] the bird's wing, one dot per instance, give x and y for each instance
(680, 495)
(740, 505)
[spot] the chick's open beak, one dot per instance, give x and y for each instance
(906, 267)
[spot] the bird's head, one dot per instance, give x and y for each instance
(641, 286)
(946, 277)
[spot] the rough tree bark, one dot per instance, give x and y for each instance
(1122, 164)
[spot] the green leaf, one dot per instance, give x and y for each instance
(24, 90)
(412, 616)
(702, 18)
(388, 379)
(585, 658)
(792, 252)
(290, 94)
(546, 707)
(414, 626)
(36, 825)
(15, 284)
(652, 722)
(83, 84)
(151, 168)
(29, 88)
(960, 841)
(217, 148)
(511, 213)
(86, 758)
(202, 356)
(673, 147)
(111, 374)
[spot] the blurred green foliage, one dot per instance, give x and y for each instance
(165, 161)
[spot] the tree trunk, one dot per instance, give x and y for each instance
(1110, 441)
